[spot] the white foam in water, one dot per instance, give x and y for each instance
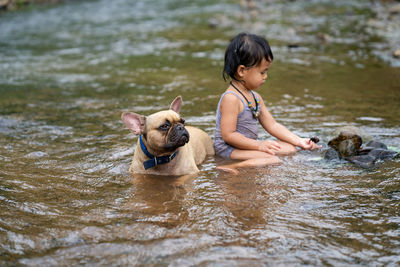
(370, 119)
(36, 154)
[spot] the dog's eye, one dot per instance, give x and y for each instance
(165, 126)
(182, 121)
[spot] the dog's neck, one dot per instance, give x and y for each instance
(153, 160)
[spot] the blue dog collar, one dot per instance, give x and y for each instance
(154, 161)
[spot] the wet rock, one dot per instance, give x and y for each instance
(394, 10)
(371, 159)
(347, 145)
(396, 53)
(220, 21)
(323, 37)
(213, 23)
(248, 4)
(3, 4)
(353, 130)
(250, 7)
(290, 46)
(331, 154)
(382, 154)
(14, 4)
(376, 144)
(364, 161)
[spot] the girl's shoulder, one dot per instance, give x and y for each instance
(231, 96)
(231, 101)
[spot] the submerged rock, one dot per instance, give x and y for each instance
(331, 154)
(347, 145)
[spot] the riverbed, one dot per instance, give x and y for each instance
(68, 71)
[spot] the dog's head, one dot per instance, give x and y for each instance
(163, 132)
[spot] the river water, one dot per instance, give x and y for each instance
(67, 72)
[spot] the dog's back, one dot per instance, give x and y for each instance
(200, 143)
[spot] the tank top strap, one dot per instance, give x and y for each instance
(230, 92)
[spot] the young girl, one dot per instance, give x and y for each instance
(247, 60)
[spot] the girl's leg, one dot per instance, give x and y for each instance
(252, 158)
(286, 149)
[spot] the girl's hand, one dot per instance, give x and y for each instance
(269, 146)
(307, 144)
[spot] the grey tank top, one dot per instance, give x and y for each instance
(246, 125)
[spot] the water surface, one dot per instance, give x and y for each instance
(68, 71)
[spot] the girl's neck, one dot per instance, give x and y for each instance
(240, 85)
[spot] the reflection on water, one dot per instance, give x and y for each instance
(68, 71)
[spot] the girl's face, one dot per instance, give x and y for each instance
(255, 76)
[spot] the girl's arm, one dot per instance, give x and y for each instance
(281, 132)
(230, 108)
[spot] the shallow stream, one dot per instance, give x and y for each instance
(67, 72)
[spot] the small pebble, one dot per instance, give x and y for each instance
(315, 139)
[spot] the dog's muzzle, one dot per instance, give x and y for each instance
(177, 137)
(182, 135)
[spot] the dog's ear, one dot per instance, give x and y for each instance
(135, 122)
(176, 104)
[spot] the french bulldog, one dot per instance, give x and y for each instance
(165, 146)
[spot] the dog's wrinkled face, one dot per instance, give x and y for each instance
(165, 132)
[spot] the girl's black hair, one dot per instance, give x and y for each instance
(245, 49)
